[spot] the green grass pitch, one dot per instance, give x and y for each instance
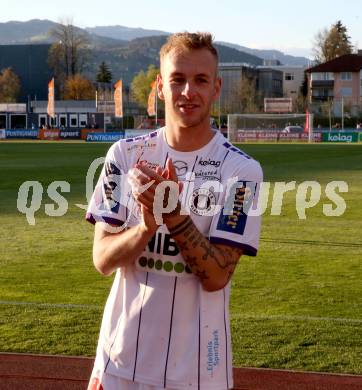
(297, 305)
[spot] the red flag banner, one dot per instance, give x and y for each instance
(151, 108)
(51, 108)
(306, 126)
(118, 101)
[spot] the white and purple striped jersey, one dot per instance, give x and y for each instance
(160, 327)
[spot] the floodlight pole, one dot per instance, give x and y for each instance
(156, 98)
(220, 111)
(342, 113)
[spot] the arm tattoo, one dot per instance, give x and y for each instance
(202, 275)
(191, 261)
(180, 228)
(183, 246)
(188, 238)
(196, 239)
(208, 250)
(189, 232)
(177, 226)
(228, 257)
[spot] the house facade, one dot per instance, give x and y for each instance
(293, 77)
(337, 85)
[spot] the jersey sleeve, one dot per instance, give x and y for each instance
(237, 223)
(111, 194)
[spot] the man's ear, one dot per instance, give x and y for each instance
(218, 84)
(160, 87)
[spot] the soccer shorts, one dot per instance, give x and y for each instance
(112, 382)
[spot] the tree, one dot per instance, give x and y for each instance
(70, 51)
(141, 85)
(78, 88)
(247, 95)
(332, 43)
(9, 86)
(104, 74)
(243, 96)
(300, 104)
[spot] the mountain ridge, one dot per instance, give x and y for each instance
(37, 31)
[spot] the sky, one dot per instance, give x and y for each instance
(289, 26)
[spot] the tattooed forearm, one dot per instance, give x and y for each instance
(183, 247)
(227, 257)
(202, 275)
(191, 261)
(181, 227)
(212, 264)
(196, 238)
(208, 250)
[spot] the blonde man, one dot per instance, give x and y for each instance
(166, 321)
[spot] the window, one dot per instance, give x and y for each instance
(346, 91)
(322, 76)
(317, 92)
(289, 76)
(42, 121)
(17, 121)
(83, 120)
(53, 121)
(323, 92)
(73, 120)
(2, 121)
(346, 76)
(62, 120)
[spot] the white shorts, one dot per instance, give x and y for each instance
(112, 382)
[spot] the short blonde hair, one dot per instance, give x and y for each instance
(189, 41)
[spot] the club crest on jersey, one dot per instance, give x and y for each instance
(203, 202)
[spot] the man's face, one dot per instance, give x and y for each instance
(189, 85)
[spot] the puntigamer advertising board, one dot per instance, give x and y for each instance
(22, 133)
(104, 137)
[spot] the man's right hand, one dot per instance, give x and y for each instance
(144, 182)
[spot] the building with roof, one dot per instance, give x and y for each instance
(337, 82)
(69, 114)
(13, 116)
(293, 77)
(268, 83)
(30, 63)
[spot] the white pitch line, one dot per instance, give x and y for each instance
(232, 315)
(295, 318)
(55, 305)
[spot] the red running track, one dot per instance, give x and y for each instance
(43, 372)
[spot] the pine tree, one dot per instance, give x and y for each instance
(332, 43)
(104, 74)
